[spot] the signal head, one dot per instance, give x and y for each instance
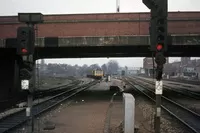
(25, 38)
(24, 50)
(159, 47)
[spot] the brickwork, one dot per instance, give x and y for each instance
(114, 24)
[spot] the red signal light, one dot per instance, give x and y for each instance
(159, 47)
(24, 50)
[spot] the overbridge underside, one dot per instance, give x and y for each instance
(115, 51)
(108, 51)
(110, 46)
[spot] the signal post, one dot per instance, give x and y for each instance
(159, 40)
(25, 50)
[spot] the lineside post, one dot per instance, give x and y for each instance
(158, 90)
(27, 77)
(160, 61)
(25, 49)
(159, 41)
(129, 113)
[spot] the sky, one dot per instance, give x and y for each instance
(12, 7)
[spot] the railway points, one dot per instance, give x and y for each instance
(88, 107)
(93, 107)
(46, 85)
(40, 93)
(19, 118)
(40, 96)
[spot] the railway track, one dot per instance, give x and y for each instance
(55, 90)
(42, 93)
(37, 94)
(186, 116)
(185, 92)
(193, 82)
(14, 120)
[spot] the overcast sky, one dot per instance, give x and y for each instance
(12, 7)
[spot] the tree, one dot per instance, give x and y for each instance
(85, 66)
(126, 68)
(113, 67)
(94, 66)
(65, 70)
(104, 68)
(83, 70)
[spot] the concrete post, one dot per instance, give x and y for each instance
(129, 113)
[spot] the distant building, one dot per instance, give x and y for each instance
(185, 60)
(185, 68)
(133, 70)
(148, 66)
(129, 70)
(120, 69)
(172, 69)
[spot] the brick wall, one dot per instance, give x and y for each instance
(59, 25)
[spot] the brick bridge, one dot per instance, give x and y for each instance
(99, 30)
(94, 35)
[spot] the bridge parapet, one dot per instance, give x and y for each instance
(107, 41)
(193, 39)
(2, 43)
(39, 42)
(104, 41)
(118, 41)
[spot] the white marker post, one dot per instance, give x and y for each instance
(27, 78)
(160, 61)
(159, 87)
(158, 91)
(25, 84)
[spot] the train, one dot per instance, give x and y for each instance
(96, 74)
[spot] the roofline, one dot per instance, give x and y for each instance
(74, 14)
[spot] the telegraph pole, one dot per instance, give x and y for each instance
(159, 41)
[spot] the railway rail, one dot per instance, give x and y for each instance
(193, 82)
(14, 120)
(43, 93)
(185, 92)
(55, 90)
(186, 116)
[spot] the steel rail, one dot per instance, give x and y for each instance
(189, 93)
(12, 121)
(181, 113)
